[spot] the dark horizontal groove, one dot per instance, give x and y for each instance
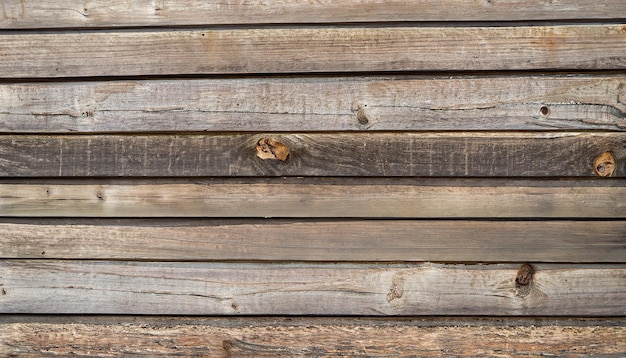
(451, 74)
(260, 320)
(216, 221)
(330, 24)
(319, 180)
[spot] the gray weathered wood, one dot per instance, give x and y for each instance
(102, 13)
(289, 50)
(309, 337)
(320, 198)
(557, 154)
(370, 240)
(99, 287)
(317, 104)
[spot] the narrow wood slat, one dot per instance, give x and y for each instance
(371, 240)
(105, 287)
(317, 104)
(310, 337)
(102, 13)
(515, 199)
(336, 154)
(334, 49)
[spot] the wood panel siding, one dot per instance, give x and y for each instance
(461, 154)
(101, 13)
(315, 240)
(310, 337)
(319, 198)
(317, 104)
(105, 287)
(313, 50)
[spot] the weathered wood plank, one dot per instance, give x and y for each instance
(175, 288)
(297, 49)
(101, 13)
(462, 154)
(317, 104)
(310, 337)
(317, 198)
(281, 240)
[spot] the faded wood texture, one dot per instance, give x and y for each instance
(297, 49)
(309, 337)
(282, 240)
(461, 154)
(177, 288)
(317, 104)
(102, 13)
(281, 198)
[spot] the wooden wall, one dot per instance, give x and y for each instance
(313, 178)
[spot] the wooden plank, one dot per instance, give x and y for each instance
(288, 240)
(461, 154)
(309, 337)
(175, 288)
(101, 13)
(317, 198)
(312, 49)
(317, 104)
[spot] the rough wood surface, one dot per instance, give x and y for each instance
(317, 104)
(321, 198)
(289, 240)
(462, 154)
(177, 288)
(296, 50)
(310, 337)
(102, 13)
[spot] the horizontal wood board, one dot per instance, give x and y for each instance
(310, 337)
(176, 288)
(318, 240)
(101, 13)
(317, 104)
(311, 49)
(459, 154)
(321, 198)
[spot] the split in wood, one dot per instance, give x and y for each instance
(604, 165)
(524, 279)
(267, 148)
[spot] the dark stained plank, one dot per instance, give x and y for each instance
(177, 288)
(103, 13)
(318, 240)
(317, 154)
(310, 337)
(317, 104)
(319, 197)
(312, 49)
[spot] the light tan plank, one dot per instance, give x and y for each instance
(105, 287)
(370, 240)
(518, 199)
(317, 104)
(102, 13)
(310, 337)
(289, 50)
(391, 154)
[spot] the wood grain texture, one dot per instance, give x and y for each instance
(309, 337)
(175, 288)
(317, 104)
(16, 14)
(289, 240)
(297, 49)
(317, 198)
(458, 154)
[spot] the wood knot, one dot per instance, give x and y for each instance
(524, 280)
(604, 165)
(361, 114)
(267, 148)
